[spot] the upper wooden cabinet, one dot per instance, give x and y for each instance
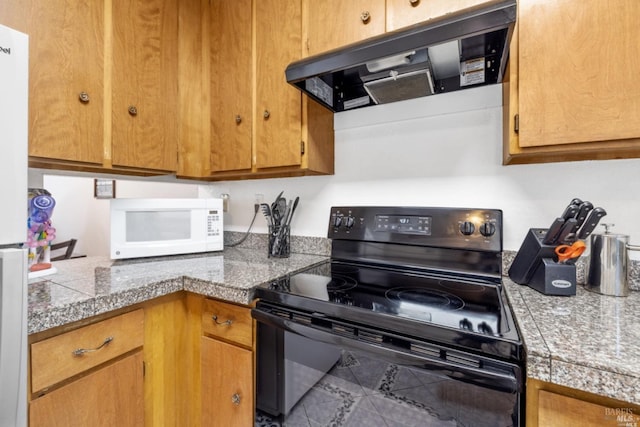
(257, 125)
(144, 84)
(278, 125)
(402, 13)
(103, 83)
(66, 76)
(572, 87)
(231, 85)
(334, 23)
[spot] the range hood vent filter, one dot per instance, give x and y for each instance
(412, 62)
(400, 86)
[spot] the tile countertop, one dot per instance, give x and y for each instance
(85, 287)
(588, 341)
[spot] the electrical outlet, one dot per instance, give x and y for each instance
(259, 198)
(225, 202)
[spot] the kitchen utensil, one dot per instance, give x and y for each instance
(570, 211)
(590, 223)
(576, 202)
(608, 260)
(581, 216)
(293, 209)
(553, 231)
(566, 252)
(566, 230)
(266, 211)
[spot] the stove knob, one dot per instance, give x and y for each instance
(348, 221)
(488, 229)
(467, 228)
(466, 324)
(484, 328)
(337, 221)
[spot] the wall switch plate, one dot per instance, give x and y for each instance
(104, 188)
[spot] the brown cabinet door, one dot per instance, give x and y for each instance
(335, 23)
(278, 112)
(577, 71)
(402, 13)
(111, 396)
(227, 384)
(231, 92)
(144, 84)
(66, 58)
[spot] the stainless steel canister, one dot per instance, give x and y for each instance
(608, 260)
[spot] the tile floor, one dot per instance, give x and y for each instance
(361, 391)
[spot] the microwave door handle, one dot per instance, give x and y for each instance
(496, 380)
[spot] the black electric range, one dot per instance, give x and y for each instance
(431, 274)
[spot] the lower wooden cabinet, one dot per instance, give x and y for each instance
(177, 360)
(92, 375)
(227, 365)
(227, 384)
(551, 405)
(110, 396)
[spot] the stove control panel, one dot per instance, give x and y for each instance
(459, 228)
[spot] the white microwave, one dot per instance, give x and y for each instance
(155, 227)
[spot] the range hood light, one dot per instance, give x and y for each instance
(390, 62)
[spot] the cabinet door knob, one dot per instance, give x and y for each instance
(235, 399)
(133, 110)
(266, 114)
(227, 322)
(365, 16)
(238, 119)
(414, 2)
(81, 351)
(84, 97)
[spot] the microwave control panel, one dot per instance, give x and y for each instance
(214, 222)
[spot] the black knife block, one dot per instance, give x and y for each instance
(535, 266)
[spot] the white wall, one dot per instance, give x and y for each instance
(444, 150)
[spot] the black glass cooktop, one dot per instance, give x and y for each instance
(453, 302)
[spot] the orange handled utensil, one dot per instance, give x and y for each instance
(566, 252)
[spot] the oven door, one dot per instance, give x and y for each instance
(325, 372)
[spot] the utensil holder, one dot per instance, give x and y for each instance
(279, 241)
(535, 266)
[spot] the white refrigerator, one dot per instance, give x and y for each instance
(14, 69)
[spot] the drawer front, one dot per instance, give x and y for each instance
(68, 354)
(227, 321)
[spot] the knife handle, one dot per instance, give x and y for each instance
(581, 216)
(570, 212)
(591, 222)
(576, 202)
(566, 230)
(552, 233)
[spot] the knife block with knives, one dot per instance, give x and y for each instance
(535, 266)
(538, 262)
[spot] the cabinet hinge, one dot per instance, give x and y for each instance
(516, 123)
(144, 369)
(301, 147)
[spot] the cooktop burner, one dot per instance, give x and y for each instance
(425, 297)
(458, 303)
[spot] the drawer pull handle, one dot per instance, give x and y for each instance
(81, 351)
(226, 322)
(235, 399)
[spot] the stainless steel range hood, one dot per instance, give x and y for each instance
(458, 51)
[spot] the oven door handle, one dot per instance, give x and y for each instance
(504, 380)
